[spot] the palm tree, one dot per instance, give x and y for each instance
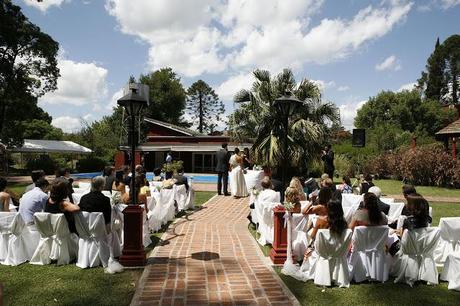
(258, 119)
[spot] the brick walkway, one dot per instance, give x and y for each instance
(210, 258)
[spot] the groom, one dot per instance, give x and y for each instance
(222, 169)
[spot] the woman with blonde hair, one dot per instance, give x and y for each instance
(295, 183)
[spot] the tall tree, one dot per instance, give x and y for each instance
(167, 96)
(441, 80)
(28, 69)
(204, 106)
(258, 119)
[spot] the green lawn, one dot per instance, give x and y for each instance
(69, 285)
(394, 187)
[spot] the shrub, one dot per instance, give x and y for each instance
(342, 165)
(42, 162)
(174, 166)
(90, 164)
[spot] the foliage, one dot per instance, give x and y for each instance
(441, 79)
(428, 165)
(342, 165)
(40, 129)
(167, 96)
(260, 118)
(28, 69)
(405, 111)
(204, 105)
(90, 164)
(174, 166)
(102, 136)
(43, 162)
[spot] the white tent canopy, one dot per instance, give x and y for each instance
(51, 146)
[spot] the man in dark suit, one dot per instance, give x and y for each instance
(328, 159)
(180, 178)
(385, 208)
(95, 201)
(222, 157)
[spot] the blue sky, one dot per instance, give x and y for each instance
(352, 48)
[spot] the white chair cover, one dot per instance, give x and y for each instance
(12, 207)
(289, 267)
(237, 183)
(77, 197)
(350, 204)
(394, 212)
(266, 222)
(116, 241)
(107, 193)
(180, 196)
(6, 221)
(163, 211)
(93, 247)
(84, 186)
(368, 260)
(449, 243)
(253, 179)
(387, 200)
(451, 272)
(267, 195)
(56, 241)
(328, 263)
(415, 258)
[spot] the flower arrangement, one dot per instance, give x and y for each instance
(289, 206)
(158, 188)
(116, 198)
(255, 191)
(257, 167)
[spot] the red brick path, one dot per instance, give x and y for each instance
(210, 258)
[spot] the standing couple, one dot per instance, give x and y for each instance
(235, 165)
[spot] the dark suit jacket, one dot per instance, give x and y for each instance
(181, 180)
(95, 201)
(277, 185)
(109, 182)
(222, 157)
(328, 161)
(385, 208)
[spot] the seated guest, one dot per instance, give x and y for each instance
(34, 201)
(370, 214)
(4, 196)
(320, 209)
(141, 197)
(277, 185)
(157, 175)
(384, 207)
(96, 201)
(145, 187)
(63, 175)
(327, 182)
(118, 183)
(58, 204)
(346, 185)
(126, 175)
(295, 183)
(169, 181)
(292, 195)
(407, 190)
(333, 220)
(109, 175)
(180, 178)
(366, 184)
(418, 209)
(36, 174)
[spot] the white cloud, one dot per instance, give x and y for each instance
(232, 85)
(348, 113)
(79, 84)
(323, 85)
(408, 86)
(446, 4)
(67, 124)
(343, 88)
(390, 63)
(205, 36)
(45, 4)
(113, 101)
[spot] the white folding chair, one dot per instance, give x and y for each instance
(395, 211)
(350, 204)
(415, 259)
(330, 264)
(266, 222)
(449, 243)
(387, 200)
(6, 221)
(56, 241)
(253, 179)
(368, 260)
(77, 197)
(84, 185)
(163, 211)
(451, 271)
(93, 247)
(180, 196)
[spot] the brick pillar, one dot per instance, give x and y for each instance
(137, 158)
(279, 250)
(119, 159)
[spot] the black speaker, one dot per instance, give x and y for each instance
(359, 138)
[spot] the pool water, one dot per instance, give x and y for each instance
(197, 178)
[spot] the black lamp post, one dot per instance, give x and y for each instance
(133, 248)
(286, 105)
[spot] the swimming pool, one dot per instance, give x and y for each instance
(197, 178)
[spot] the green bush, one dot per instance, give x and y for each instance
(342, 165)
(91, 164)
(42, 162)
(174, 166)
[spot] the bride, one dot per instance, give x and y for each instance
(237, 182)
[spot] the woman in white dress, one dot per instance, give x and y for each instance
(237, 182)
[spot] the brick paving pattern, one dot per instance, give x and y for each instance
(210, 258)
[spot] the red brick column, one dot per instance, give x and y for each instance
(279, 250)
